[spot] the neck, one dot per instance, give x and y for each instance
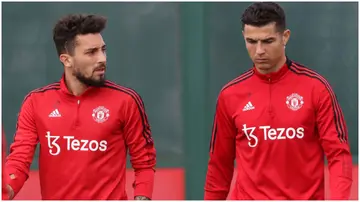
(275, 68)
(74, 86)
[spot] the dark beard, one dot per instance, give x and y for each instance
(90, 81)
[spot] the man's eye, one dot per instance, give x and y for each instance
(268, 41)
(91, 52)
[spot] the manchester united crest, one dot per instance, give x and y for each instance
(100, 114)
(294, 101)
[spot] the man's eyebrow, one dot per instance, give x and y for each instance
(266, 39)
(95, 48)
(248, 38)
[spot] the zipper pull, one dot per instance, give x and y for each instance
(78, 102)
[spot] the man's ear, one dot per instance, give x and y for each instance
(286, 36)
(66, 59)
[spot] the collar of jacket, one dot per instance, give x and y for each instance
(65, 91)
(274, 76)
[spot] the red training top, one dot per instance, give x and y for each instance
(4, 192)
(83, 143)
(278, 127)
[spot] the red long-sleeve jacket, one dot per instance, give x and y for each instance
(278, 127)
(4, 191)
(83, 143)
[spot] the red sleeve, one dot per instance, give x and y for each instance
(23, 148)
(334, 140)
(4, 177)
(222, 154)
(141, 147)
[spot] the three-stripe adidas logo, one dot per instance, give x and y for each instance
(55, 113)
(248, 107)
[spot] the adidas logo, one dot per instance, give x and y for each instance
(248, 107)
(55, 113)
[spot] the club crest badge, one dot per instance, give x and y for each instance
(100, 114)
(294, 101)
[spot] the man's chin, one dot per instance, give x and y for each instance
(99, 82)
(263, 66)
(93, 82)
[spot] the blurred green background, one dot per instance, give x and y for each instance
(177, 56)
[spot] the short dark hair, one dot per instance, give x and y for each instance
(69, 26)
(262, 13)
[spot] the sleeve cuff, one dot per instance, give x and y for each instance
(144, 183)
(144, 189)
(17, 182)
(215, 195)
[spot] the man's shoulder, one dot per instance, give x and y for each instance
(37, 93)
(44, 89)
(237, 82)
(121, 90)
(309, 74)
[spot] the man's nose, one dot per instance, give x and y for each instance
(259, 49)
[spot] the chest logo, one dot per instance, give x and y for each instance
(100, 114)
(294, 101)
